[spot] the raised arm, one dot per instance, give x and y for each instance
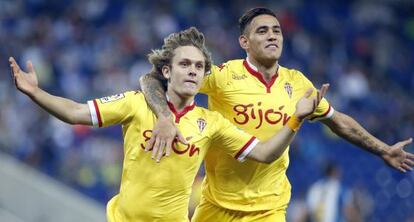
(64, 109)
(350, 130)
(164, 131)
(273, 148)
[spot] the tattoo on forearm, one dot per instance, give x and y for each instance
(155, 95)
(362, 139)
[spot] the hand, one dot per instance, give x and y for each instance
(163, 135)
(307, 104)
(397, 158)
(25, 82)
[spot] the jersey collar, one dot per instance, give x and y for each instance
(178, 115)
(255, 72)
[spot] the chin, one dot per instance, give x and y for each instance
(188, 93)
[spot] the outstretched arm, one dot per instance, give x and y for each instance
(165, 130)
(273, 148)
(350, 130)
(64, 109)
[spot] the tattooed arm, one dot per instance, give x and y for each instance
(164, 131)
(350, 130)
(154, 92)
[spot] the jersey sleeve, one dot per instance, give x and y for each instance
(215, 79)
(115, 109)
(234, 141)
(324, 109)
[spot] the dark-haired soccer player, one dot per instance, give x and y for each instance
(163, 195)
(258, 95)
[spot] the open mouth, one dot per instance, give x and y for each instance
(272, 46)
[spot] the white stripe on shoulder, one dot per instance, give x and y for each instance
(246, 152)
(94, 115)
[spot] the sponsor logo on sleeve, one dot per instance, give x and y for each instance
(112, 98)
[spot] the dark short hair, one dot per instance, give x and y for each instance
(189, 37)
(248, 16)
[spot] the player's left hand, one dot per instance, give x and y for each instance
(163, 135)
(399, 159)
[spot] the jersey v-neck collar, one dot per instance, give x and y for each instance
(252, 69)
(178, 115)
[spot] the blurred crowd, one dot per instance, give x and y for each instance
(84, 49)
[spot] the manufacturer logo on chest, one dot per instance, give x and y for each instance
(239, 77)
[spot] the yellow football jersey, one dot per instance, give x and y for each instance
(238, 91)
(153, 191)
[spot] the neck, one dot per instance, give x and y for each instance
(267, 68)
(179, 102)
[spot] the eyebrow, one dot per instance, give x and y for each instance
(192, 60)
(265, 26)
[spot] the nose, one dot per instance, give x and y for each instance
(272, 36)
(192, 71)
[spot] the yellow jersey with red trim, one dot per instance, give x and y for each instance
(153, 191)
(239, 92)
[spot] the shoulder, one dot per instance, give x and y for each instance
(229, 66)
(135, 94)
(293, 75)
(290, 73)
(208, 115)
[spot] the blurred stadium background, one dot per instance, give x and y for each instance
(84, 49)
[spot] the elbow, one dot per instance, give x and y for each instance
(263, 154)
(264, 157)
(267, 160)
(141, 81)
(146, 80)
(71, 119)
(271, 158)
(79, 114)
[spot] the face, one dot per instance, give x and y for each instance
(263, 39)
(186, 72)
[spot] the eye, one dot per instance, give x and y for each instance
(199, 66)
(184, 64)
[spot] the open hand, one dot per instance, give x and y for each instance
(163, 135)
(399, 159)
(26, 82)
(307, 104)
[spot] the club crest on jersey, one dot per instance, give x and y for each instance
(201, 123)
(288, 89)
(112, 98)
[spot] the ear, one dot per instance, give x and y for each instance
(166, 72)
(244, 42)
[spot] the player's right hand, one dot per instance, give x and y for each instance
(163, 135)
(307, 104)
(25, 82)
